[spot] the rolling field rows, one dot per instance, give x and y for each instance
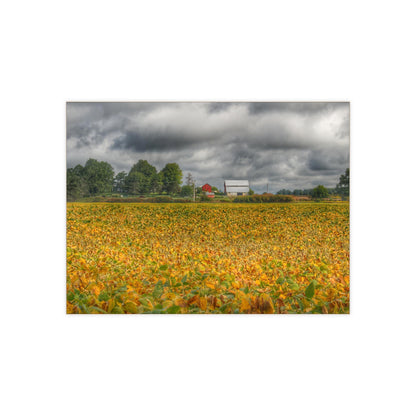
(208, 258)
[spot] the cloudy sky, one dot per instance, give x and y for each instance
(287, 145)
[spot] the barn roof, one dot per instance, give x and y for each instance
(233, 182)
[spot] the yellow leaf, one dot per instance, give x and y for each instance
(245, 305)
(111, 304)
(203, 303)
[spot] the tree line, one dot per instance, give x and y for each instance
(97, 178)
(320, 191)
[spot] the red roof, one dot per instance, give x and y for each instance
(207, 188)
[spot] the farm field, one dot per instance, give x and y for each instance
(208, 258)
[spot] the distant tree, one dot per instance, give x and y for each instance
(157, 184)
(187, 190)
(189, 179)
(150, 183)
(99, 176)
(251, 192)
(215, 189)
(319, 192)
(143, 166)
(136, 183)
(171, 176)
(120, 182)
(76, 185)
(284, 192)
(343, 187)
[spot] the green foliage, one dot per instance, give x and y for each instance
(319, 192)
(143, 166)
(187, 190)
(92, 179)
(99, 176)
(143, 178)
(251, 192)
(120, 182)
(343, 187)
(284, 192)
(171, 178)
(136, 183)
(310, 290)
(76, 185)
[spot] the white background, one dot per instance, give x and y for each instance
(54, 51)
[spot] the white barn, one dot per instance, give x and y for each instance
(236, 187)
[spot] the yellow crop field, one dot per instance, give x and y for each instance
(208, 258)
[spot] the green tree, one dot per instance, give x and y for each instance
(343, 187)
(143, 166)
(284, 192)
(150, 183)
(319, 192)
(99, 176)
(76, 186)
(136, 183)
(171, 176)
(187, 190)
(158, 183)
(120, 182)
(250, 192)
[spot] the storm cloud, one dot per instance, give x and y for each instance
(285, 145)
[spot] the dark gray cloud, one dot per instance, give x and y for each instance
(153, 140)
(288, 145)
(218, 107)
(297, 107)
(327, 160)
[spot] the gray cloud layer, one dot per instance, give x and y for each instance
(288, 145)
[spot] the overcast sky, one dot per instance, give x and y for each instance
(287, 145)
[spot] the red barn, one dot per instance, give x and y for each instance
(207, 188)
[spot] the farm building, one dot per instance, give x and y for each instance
(207, 188)
(236, 187)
